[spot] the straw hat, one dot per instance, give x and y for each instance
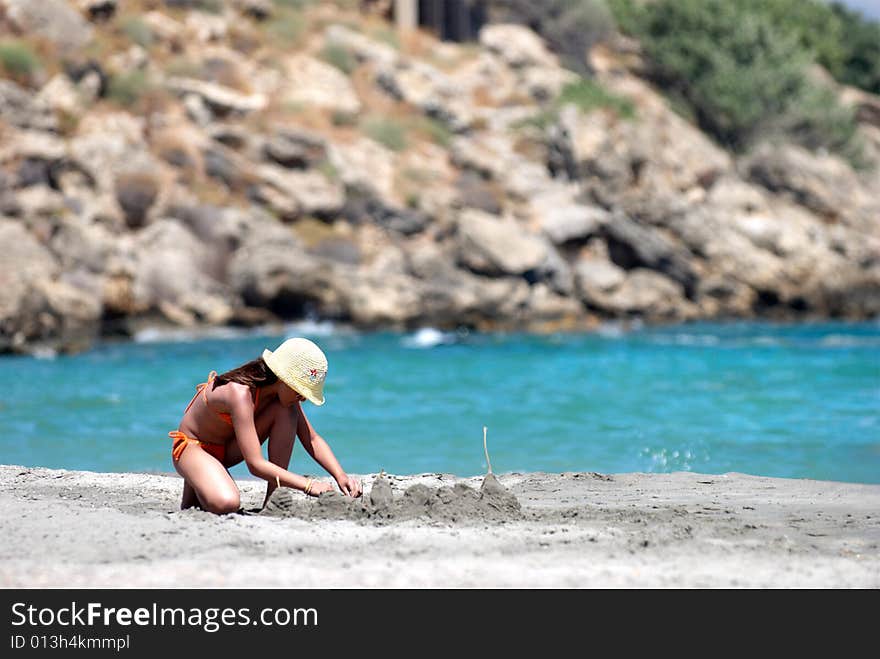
(301, 365)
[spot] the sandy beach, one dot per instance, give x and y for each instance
(63, 528)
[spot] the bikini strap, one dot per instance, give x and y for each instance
(202, 389)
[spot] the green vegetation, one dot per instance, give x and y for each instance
(137, 31)
(387, 36)
(838, 38)
(286, 27)
(339, 57)
(587, 95)
(292, 4)
(434, 130)
(18, 61)
(342, 119)
(861, 50)
(127, 88)
(387, 132)
(742, 68)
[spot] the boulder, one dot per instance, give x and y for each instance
(54, 20)
(651, 295)
(292, 193)
(311, 82)
(37, 309)
(494, 246)
(563, 219)
(824, 184)
(364, 49)
(22, 109)
(221, 100)
(174, 275)
(633, 245)
(517, 45)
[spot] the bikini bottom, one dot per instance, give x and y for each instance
(181, 441)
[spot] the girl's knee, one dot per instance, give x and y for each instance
(222, 503)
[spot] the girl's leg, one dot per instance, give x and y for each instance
(189, 498)
(209, 481)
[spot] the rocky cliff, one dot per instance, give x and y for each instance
(243, 162)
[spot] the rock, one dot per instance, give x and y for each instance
(257, 9)
(205, 27)
(867, 106)
(363, 48)
(22, 109)
(307, 192)
(53, 20)
(406, 221)
(825, 185)
(429, 89)
(295, 149)
(165, 29)
(84, 245)
(36, 307)
(136, 193)
(473, 192)
(596, 278)
(546, 305)
(106, 145)
(490, 245)
(648, 293)
(98, 11)
(39, 201)
(563, 219)
(221, 100)
(311, 82)
(272, 270)
(517, 45)
(173, 276)
(61, 95)
(488, 154)
(381, 300)
(365, 165)
(544, 83)
(619, 154)
(487, 77)
(223, 164)
(631, 245)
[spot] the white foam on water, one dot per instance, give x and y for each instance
(311, 328)
(841, 341)
(183, 335)
(428, 337)
(45, 353)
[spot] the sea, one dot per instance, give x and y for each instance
(770, 399)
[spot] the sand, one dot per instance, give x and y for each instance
(63, 528)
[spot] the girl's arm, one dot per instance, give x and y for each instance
(317, 447)
(242, 410)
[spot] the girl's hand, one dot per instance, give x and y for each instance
(348, 485)
(318, 488)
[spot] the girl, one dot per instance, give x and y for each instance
(232, 414)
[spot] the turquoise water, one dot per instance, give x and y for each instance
(800, 401)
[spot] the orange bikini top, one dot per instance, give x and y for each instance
(203, 389)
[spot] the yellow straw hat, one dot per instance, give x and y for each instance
(301, 365)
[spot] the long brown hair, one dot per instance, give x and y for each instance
(254, 374)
